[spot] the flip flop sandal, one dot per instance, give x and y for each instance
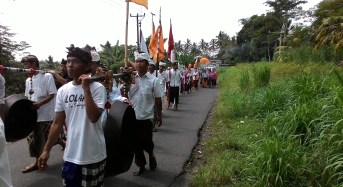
(30, 168)
(140, 171)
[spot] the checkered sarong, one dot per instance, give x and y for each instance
(91, 175)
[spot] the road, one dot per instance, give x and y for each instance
(174, 143)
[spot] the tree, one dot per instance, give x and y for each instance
(15, 83)
(203, 46)
(113, 56)
(195, 50)
(285, 11)
(9, 48)
(330, 21)
(260, 33)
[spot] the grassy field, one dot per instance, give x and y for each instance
(275, 124)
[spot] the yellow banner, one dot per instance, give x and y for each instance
(140, 2)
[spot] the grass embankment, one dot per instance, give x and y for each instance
(275, 125)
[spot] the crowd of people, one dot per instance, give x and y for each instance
(71, 109)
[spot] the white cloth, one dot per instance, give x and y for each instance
(86, 141)
(142, 96)
(42, 85)
(2, 89)
(5, 174)
(163, 78)
(115, 94)
(175, 77)
(196, 74)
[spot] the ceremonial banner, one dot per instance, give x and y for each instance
(171, 55)
(142, 45)
(156, 45)
(140, 2)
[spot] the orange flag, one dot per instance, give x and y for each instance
(156, 45)
(140, 2)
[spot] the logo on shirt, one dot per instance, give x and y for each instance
(75, 100)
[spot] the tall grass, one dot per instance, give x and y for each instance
(261, 76)
(306, 54)
(289, 133)
(244, 80)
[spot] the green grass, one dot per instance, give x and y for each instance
(287, 131)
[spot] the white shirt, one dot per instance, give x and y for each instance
(163, 77)
(142, 96)
(86, 141)
(115, 94)
(5, 175)
(175, 76)
(196, 74)
(2, 89)
(42, 85)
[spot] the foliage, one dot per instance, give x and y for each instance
(286, 134)
(261, 76)
(113, 56)
(8, 47)
(305, 54)
(330, 21)
(244, 80)
(8, 50)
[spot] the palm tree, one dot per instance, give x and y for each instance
(195, 50)
(113, 56)
(187, 47)
(330, 30)
(203, 46)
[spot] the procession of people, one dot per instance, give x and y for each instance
(71, 108)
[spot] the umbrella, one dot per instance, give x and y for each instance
(204, 60)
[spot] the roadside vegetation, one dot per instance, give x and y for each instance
(276, 124)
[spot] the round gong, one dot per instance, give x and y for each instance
(20, 118)
(119, 134)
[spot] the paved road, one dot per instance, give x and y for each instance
(173, 146)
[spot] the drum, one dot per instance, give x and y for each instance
(119, 132)
(19, 117)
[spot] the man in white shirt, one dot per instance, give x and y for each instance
(144, 95)
(41, 89)
(175, 82)
(5, 174)
(79, 105)
(163, 78)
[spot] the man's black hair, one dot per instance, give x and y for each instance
(79, 53)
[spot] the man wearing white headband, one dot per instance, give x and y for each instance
(144, 95)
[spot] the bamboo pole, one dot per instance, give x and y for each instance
(126, 60)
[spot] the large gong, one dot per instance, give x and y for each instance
(119, 133)
(19, 117)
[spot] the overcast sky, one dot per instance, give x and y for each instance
(51, 25)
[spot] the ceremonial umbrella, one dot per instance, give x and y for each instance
(204, 60)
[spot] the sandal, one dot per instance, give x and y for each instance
(140, 171)
(152, 162)
(30, 168)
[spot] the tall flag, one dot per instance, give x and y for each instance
(142, 45)
(140, 2)
(153, 28)
(171, 55)
(156, 45)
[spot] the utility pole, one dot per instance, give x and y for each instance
(138, 26)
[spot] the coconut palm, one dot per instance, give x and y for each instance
(330, 30)
(203, 46)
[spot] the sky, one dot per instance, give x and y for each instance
(49, 26)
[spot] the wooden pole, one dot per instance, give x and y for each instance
(126, 60)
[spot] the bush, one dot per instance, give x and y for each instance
(244, 80)
(261, 76)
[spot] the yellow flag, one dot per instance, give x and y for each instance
(140, 2)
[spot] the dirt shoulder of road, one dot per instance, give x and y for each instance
(197, 157)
